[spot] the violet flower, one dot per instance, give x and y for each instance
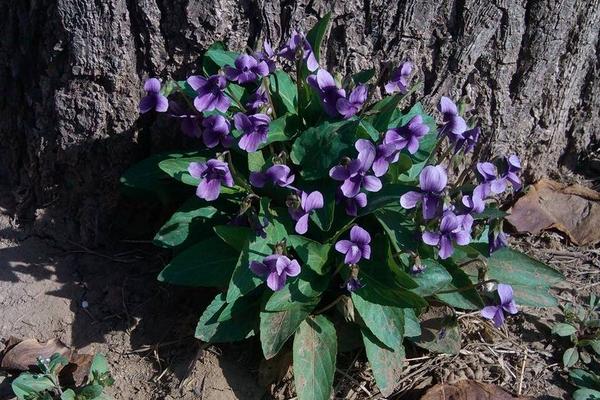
(209, 92)
(474, 203)
(247, 69)
(354, 174)
(328, 91)
(357, 247)
(277, 174)
(353, 284)
(497, 240)
(277, 268)
(297, 43)
(432, 181)
(451, 231)
(256, 100)
(490, 182)
(216, 130)
(351, 204)
(153, 99)
(407, 136)
(212, 175)
(189, 123)
(254, 128)
(399, 79)
(454, 125)
(513, 168)
(266, 56)
(349, 107)
(307, 204)
(506, 304)
(470, 138)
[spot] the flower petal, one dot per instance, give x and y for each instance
(259, 268)
(343, 246)
(209, 189)
(410, 199)
(430, 238)
(302, 224)
(446, 248)
(275, 282)
(505, 292)
(152, 85)
(372, 183)
(489, 312)
(359, 236)
(313, 201)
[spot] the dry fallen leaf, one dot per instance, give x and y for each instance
(76, 372)
(24, 355)
(469, 390)
(573, 210)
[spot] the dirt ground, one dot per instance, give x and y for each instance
(146, 328)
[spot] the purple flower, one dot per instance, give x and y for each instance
(276, 268)
(254, 128)
(490, 182)
(328, 91)
(506, 304)
(497, 240)
(454, 125)
(216, 130)
(474, 203)
(399, 79)
(296, 43)
(301, 212)
(451, 231)
(357, 247)
(432, 181)
(278, 174)
(153, 99)
(212, 175)
(189, 123)
(353, 284)
(471, 137)
(257, 100)
(247, 69)
(209, 92)
(352, 105)
(354, 174)
(513, 168)
(351, 204)
(407, 136)
(266, 56)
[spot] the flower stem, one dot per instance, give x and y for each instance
(236, 178)
(237, 101)
(267, 87)
(328, 306)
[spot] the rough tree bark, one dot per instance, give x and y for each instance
(71, 73)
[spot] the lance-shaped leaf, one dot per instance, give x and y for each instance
(243, 279)
(433, 279)
(386, 364)
(315, 351)
(208, 263)
(284, 92)
(211, 330)
(316, 34)
(312, 253)
(186, 224)
(459, 293)
(439, 331)
(277, 327)
(385, 322)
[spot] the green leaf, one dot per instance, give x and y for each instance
(381, 113)
(68, 394)
(366, 130)
(439, 332)
(91, 392)
(388, 197)
(284, 92)
(216, 57)
(530, 279)
(27, 384)
(323, 217)
(399, 230)
(211, 330)
(585, 379)
(277, 327)
(178, 168)
(243, 279)
(595, 345)
(586, 394)
(281, 130)
(363, 76)
(386, 364)
(209, 263)
(315, 351)
(570, 357)
(460, 297)
(412, 325)
(235, 236)
(99, 365)
(311, 253)
(256, 161)
(316, 34)
(433, 279)
(321, 147)
(561, 329)
(186, 224)
(385, 322)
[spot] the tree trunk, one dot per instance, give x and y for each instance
(72, 73)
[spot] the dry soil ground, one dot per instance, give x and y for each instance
(146, 328)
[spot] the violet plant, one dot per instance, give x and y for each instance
(304, 192)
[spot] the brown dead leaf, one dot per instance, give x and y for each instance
(469, 390)
(24, 355)
(574, 210)
(76, 372)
